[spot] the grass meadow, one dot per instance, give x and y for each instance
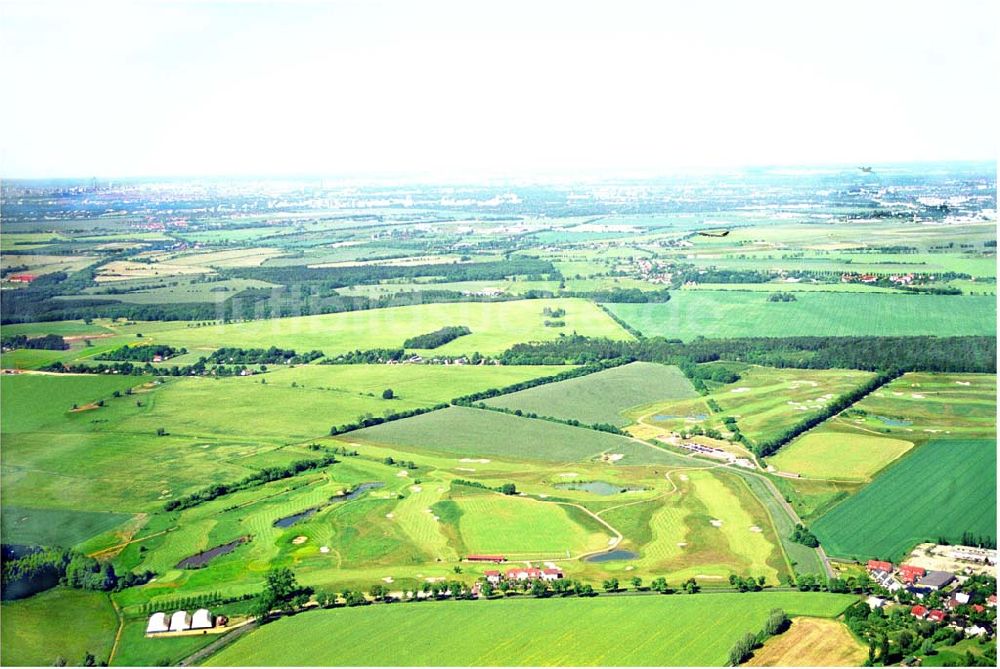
(839, 455)
(710, 526)
(723, 314)
(495, 327)
(764, 402)
(604, 396)
(61, 622)
(608, 631)
(478, 433)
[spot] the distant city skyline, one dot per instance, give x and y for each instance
(116, 89)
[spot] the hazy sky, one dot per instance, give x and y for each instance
(192, 88)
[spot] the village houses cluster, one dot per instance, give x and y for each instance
(920, 583)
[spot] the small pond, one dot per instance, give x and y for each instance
(201, 559)
(667, 416)
(288, 521)
(596, 487)
(611, 556)
(895, 422)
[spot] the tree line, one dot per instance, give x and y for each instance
(919, 353)
(439, 337)
(262, 356)
(776, 623)
(266, 475)
(44, 568)
(368, 420)
(590, 368)
(49, 342)
(144, 353)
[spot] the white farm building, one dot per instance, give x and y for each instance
(180, 621)
(157, 623)
(202, 620)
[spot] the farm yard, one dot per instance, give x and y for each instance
(703, 630)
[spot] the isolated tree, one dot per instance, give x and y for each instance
(611, 585)
(387, 394)
(636, 582)
(539, 589)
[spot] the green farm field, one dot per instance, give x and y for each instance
(61, 622)
(604, 396)
(495, 327)
(647, 631)
(941, 489)
(723, 314)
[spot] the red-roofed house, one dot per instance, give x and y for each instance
(523, 574)
(910, 574)
(978, 608)
(879, 565)
(552, 574)
(937, 615)
(919, 611)
(991, 601)
(22, 278)
(492, 575)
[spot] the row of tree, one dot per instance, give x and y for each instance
(258, 478)
(776, 623)
(49, 342)
(439, 337)
(921, 353)
(262, 356)
(368, 420)
(590, 368)
(143, 353)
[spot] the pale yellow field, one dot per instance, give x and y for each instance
(810, 642)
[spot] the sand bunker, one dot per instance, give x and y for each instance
(402, 474)
(742, 389)
(715, 522)
(324, 549)
(480, 460)
(754, 528)
(964, 383)
(387, 579)
(465, 469)
(300, 540)
(569, 475)
(390, 515)
(681, 544)
(918, 396)
(415, 488)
